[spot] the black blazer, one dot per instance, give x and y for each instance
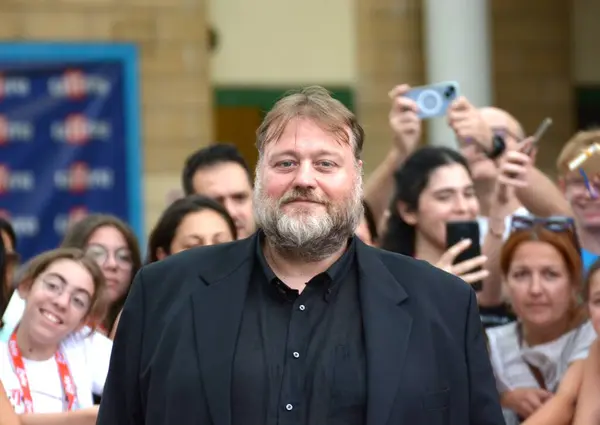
(172, 357)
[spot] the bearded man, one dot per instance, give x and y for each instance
(301, 323)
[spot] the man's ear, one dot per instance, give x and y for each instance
(407, 214)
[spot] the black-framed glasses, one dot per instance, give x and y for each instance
(557, 224)
(101, 254)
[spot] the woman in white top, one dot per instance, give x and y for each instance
(541, 266)
(48, 364)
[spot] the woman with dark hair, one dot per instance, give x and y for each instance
(367, 228)
(188, 222)
(114, 246)
(191, 221)
(11, 258)
(434, 187)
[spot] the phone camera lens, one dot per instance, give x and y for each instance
(449, 92)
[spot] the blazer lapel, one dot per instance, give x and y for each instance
(217, 310)
(387, 325)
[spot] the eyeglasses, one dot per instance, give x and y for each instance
(557, 224)
(79, 299)
(101, 254)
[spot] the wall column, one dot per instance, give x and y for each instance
(457, 48)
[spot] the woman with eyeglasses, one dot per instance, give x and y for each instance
(53, 361)
(115, 248)
(543, 350)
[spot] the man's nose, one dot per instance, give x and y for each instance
(305, 175)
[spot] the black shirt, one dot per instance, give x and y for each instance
(300, 357)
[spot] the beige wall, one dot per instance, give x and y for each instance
(280, 43)
(176, 100)
(586, 33)
(532, 68)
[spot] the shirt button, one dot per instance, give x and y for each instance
(288, 407)
(296, 354)
(302, 307)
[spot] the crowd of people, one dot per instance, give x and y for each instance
(539, 298)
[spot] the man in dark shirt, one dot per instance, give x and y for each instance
(301, 350)
(302, 323)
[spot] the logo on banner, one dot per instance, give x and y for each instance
(78, 129)
(63, 221)
(15, 181)
(75, 84)
(24, 225)
(14, 87)
(80, 177)
(15, 131)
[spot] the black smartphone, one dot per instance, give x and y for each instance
(457, 231)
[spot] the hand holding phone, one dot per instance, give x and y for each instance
(532, 143)
(463, 257)
(404, 120)
(435, 99)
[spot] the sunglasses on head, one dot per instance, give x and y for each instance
(553, 223)
(557, 224)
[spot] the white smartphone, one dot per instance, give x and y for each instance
(435, 99)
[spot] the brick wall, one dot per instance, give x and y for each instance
(390, 52)
(176, 98)
(532, 68)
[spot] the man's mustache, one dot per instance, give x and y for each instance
(299, 196)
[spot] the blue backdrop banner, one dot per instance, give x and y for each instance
(63, 147)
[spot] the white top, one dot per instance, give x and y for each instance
(484, 223)
(88, 358)
(508, 358)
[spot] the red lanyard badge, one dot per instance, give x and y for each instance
(63, 371)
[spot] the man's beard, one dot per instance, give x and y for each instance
(303, 233)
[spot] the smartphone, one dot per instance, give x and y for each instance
(433, 100)
(457, 231)
(539, 133)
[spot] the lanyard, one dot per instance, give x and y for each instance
(63, 371)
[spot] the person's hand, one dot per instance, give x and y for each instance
(404, 120)
(525, 401)
(515, 165)
(468, 124)
(464, 269)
